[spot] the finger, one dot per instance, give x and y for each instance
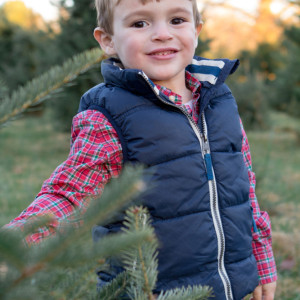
(268, 296)
(268, 291)
(257, 294)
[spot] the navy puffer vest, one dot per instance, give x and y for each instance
(199, 200)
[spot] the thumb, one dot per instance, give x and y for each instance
(257, 294)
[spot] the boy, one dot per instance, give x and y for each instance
(161, 107)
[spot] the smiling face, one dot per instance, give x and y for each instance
(157, 37)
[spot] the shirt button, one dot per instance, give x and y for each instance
(172, 98)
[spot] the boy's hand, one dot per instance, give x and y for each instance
(265, 292)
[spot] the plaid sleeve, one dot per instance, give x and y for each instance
(95, 157)
(262, 237)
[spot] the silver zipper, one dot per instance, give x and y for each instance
(214, 203)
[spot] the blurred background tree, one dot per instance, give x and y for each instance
(76, 22)
(286, 87)
(265, 41)
(25, 44)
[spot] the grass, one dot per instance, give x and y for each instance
(276, 161)
(30, 150)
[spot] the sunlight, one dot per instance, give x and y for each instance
(47, 10)
(276, 7)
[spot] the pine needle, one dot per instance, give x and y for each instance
(114, 289)
(141, 260)
(41, 88)
(3, 89)
(189, 293)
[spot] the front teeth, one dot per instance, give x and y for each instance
(163, 53)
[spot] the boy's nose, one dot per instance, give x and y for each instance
(161, 32)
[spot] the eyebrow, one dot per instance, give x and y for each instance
(145, 12)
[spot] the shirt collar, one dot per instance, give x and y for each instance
(192, 83)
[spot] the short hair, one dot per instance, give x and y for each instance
(105, 13)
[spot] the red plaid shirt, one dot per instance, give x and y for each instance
(96, 156)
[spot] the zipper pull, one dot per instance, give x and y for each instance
(207, 159)
(208, 164)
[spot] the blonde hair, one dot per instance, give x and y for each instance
(105, 13)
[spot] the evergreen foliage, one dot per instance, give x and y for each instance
(44, 86)
(77, 22)
(24, 54)
(250, 93)
(141, 260)
(287, 86)
(3, 89)
(59, 260)
(140, 263)
(203, 45)
(268, 78)
(62, 267)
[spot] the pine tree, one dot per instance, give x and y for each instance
(77, 22)
(26, 44)
(287, 84)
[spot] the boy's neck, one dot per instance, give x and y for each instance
(186, 95)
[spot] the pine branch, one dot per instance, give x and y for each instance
(12, 255)
(79, 283)
(80, 254)
(141, 261)
(114, 289)
(3, 89)
(106, 247)
(41, 88)
(141, 264)
(116, 197)
(189, 293)
(71, 247)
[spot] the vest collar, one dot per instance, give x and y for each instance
(209, 72)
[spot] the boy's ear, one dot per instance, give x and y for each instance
(105, 41)
(198, 30)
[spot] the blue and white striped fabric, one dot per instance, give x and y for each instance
(206, 70)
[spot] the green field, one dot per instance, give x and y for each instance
(31, 149)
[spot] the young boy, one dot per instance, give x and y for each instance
(172, 112)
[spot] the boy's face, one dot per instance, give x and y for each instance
(157, 37)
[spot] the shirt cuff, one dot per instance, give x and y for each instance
(266, 266)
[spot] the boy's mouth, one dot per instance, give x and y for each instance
(163, 52)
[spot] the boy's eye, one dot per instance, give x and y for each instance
(139, 24)
(177, 21)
